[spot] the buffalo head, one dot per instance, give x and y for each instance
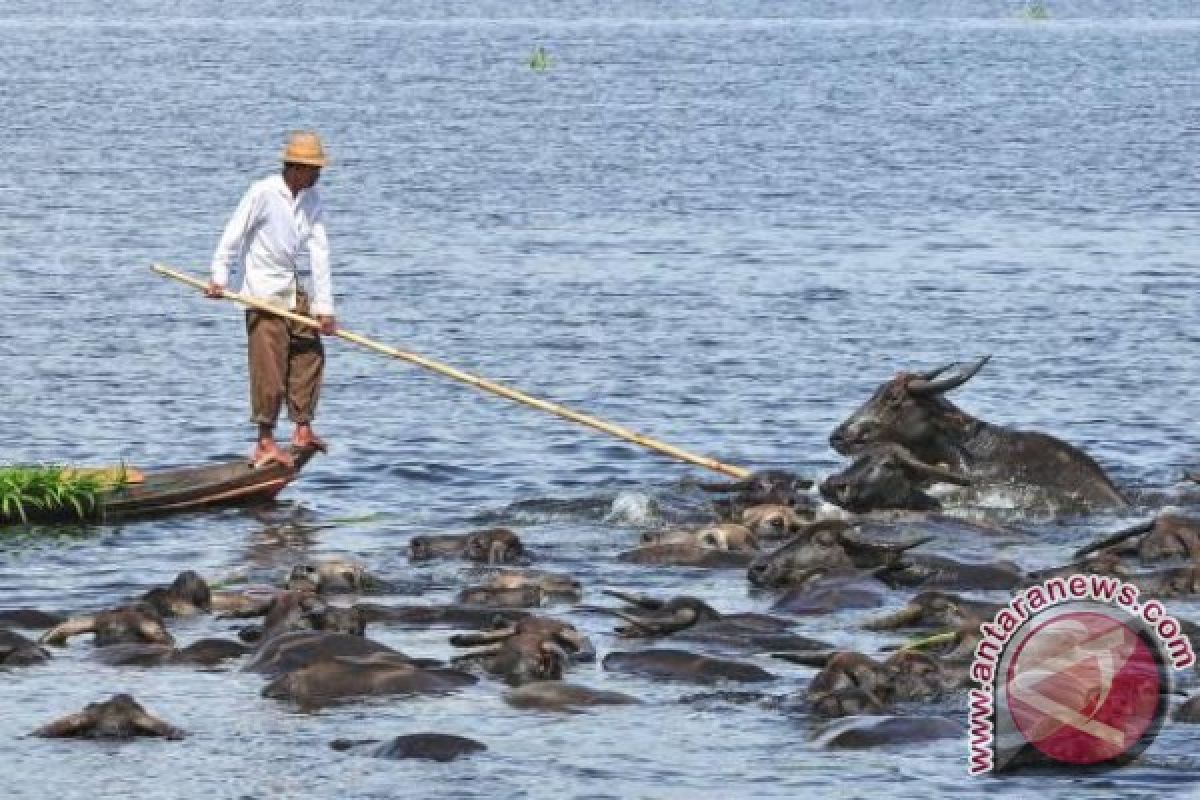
(824, 547)
(494, 546)
(907, 410)
(887, 476)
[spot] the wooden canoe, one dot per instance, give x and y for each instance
(169, 491)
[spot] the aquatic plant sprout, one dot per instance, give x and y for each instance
(1036, 10)
(539, 61)
(54, 492)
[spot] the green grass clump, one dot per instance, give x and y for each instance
(540, 60)
(1036, 10)
(923, 642)
(52, 492)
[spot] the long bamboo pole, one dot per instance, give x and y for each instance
(476, 381)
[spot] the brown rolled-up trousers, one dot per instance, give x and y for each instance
(287, 361)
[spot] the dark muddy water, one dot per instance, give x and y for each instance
(719, 223)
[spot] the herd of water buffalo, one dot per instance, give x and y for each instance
(912, 450)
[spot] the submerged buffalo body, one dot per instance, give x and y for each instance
(489, 546)
(559, 696)
(17, 651)
(911, 410)
(137, 623)
(420, 746)
(119, 717)
(334, 680)
(681, 665)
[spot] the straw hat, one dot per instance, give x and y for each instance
(304, 147)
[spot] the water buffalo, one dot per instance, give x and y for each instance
(333, 576)
(333, 680)
(650, 616)
(201, 653)
(905, 676)
(1166, 537)
(494, 597)
(249, 602)
(137, 623)
(822, 547)
(291, 611)
(490, 546)
(559, 696)
(17, 651)
(934, 571)
(765, 487)
(555, 586)
(773, 521)
(577, 645)
(694, 620)
(884, 731)
(187, 595)
(297, 649)
(681, 665)
(424, 616)
(771, 486)
(1105, 562)
(934, 609)
(532, 649)
(119, 717)
(1173, 582)
(724, 536)
(521, 658)
(688, 554)
(441, 747)
(833, 590)
(887, 477)
(1189, 711)
(911, 410)
(30, 618)
(844, 701)
(719, 699)
(659, 618)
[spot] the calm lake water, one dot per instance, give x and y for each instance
(720, 223)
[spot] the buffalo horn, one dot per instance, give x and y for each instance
(887, 553)
(933, 373)
(1115, 538)
(636, 600)
(556, 649)
(806, 658)
(922, 386)
(724, 487)
(909, 615)
(929, 470)
(475, 655)
(483, 637)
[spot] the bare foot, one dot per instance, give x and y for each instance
(304, 438)
(266, 453)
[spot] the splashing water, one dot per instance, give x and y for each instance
(633, 508)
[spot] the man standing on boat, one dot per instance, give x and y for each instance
(277, 221)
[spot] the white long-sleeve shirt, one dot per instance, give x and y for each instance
(270, 230)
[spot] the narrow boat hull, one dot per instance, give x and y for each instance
(170, 491)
